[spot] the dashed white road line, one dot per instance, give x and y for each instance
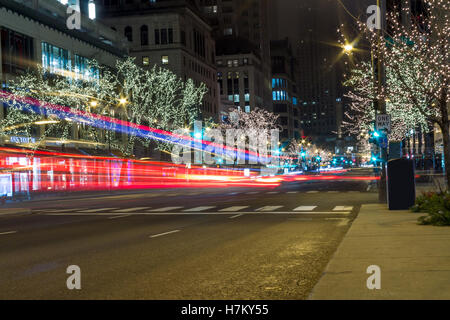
(273, 192)
(305, 208)
(132, 209)
(313, 191)
(118, 217)
(268, 208)
(97, 210)
(233, 209)
(7, 232)
(164, 233)
(198, 209)
(62, 210)
(165, 209)
(293, 192)
(237, 215)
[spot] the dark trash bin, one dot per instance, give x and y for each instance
(401, 185)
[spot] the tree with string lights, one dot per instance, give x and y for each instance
(155, 97)
(417, 62)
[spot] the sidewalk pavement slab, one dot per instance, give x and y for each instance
(414, 259)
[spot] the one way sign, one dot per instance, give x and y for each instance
(384, 122)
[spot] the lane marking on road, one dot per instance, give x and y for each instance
(118, 217)
(7, 232)
(273, 192)
(61, 210)
(198, 209)
(164, 233)
(165, 209)
(314, 191)
(132, 209)
(97, 210)
(268, 208)
(233, 209)
(237, 215)
(343, 208)
(305, 208)
(292, 191)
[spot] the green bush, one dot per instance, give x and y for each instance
(437, 205)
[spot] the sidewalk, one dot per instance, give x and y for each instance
(414, 259)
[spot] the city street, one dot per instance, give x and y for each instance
(239, 243)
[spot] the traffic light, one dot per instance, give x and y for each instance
(376, 136)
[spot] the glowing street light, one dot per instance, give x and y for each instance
(348, 48)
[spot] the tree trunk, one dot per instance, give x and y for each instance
(445, 128)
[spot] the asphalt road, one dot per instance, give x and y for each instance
(238, 243)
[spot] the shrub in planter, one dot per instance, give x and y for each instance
(437, 205)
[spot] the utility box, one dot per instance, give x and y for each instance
(401, 185)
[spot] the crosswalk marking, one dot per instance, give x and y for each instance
(343, 208)
(233, 209)
(273, 192)
(165, 209)
(305, 208)
(293, 192)
(198, 209)
(268, 208)
(237, 215)
(313, 191)
(132, 209)
(97, 210)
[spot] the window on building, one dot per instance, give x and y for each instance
(163, 36)
(17, 51)
(170, 32)
(55, 60)
(157, 40)
(144, 35)
(183, 37)
(228, 31)
(83, 69)
(145, 61)
(165, 59)
(129, 33)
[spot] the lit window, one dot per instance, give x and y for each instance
(165, 59)
(235, 62)
(91, 9)
(247, 109)
(247, 97)
(145, 61)
(54, 59)
(228, 31)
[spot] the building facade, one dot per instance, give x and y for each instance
(169, 34)
(243, 51)
(284, 88)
